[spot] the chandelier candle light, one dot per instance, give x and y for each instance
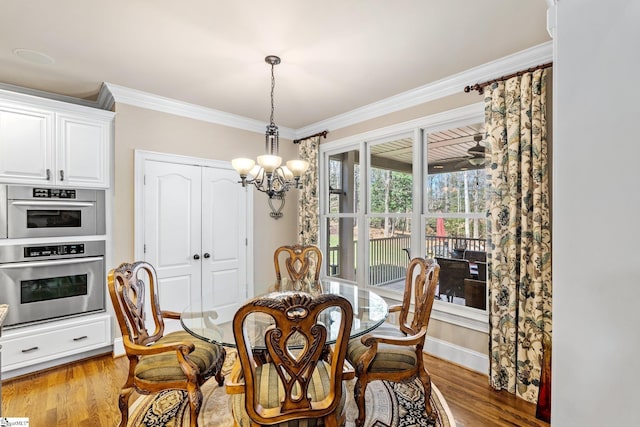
(268, 176)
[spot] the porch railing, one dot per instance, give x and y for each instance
(444, 246)
(389, 256)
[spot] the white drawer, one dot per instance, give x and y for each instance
(55, 340)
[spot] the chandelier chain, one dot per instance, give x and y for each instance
(273, 85)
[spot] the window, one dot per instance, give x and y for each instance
(455, 215)
(390, 197)
(341, 229)
(411, 192)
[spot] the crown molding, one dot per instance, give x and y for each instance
(105, 98)
(49, 95)
(137, 98)
(439, 89)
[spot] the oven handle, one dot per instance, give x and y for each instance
(50, 263)
(51, 203)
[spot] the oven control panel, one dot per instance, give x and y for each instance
(53, 250)
(53, 193)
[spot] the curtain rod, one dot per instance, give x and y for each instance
(480, 86)
(323, 133)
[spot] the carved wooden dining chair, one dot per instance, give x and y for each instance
(157, 361)
(302, 378)
(394, 352)
(300, 262)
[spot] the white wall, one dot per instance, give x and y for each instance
(596, 200)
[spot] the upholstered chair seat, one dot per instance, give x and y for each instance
(165, 367)
(389, 357)
(270, 393)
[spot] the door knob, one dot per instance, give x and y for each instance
(207, 255)
(196, 256)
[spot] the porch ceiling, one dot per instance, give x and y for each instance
(446, 148)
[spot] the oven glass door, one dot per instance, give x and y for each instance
(51, 218)
(42, 290)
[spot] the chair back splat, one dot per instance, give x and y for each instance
(418, 282)
(300, 262)
(130, 294)
(299, 376)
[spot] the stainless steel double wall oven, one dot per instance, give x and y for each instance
(42, 278)
(50, 212)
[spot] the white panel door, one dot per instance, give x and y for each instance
(224, 237)
(172, 239)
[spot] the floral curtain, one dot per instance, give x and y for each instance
(519, 254)
(308, 208)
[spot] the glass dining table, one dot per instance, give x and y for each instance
(369, 310)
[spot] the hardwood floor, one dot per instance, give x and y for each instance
(474, 403)
(85, 394)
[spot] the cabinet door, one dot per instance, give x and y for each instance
(83, 151)
(26, 145)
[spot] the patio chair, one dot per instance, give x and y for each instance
(481, 267)
(452, 274)
(300, 377)
(394, 352)
(300, 262)
(475, 293)
(157, 361)
(475, 256)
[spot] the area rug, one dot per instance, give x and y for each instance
(394, 405)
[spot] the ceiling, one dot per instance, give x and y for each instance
(337, 55)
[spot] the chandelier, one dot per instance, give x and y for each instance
(268, 175)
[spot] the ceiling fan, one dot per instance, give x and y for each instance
(475, 155)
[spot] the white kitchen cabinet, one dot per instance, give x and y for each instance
(82, 151)
(32, 345)
(47, 142)
(26, 143)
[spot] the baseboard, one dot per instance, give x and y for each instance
(118, 347)
(459, 355)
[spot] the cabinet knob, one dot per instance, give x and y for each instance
(48, 174)
(207, 255)
(196, 256)
(61, 175)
